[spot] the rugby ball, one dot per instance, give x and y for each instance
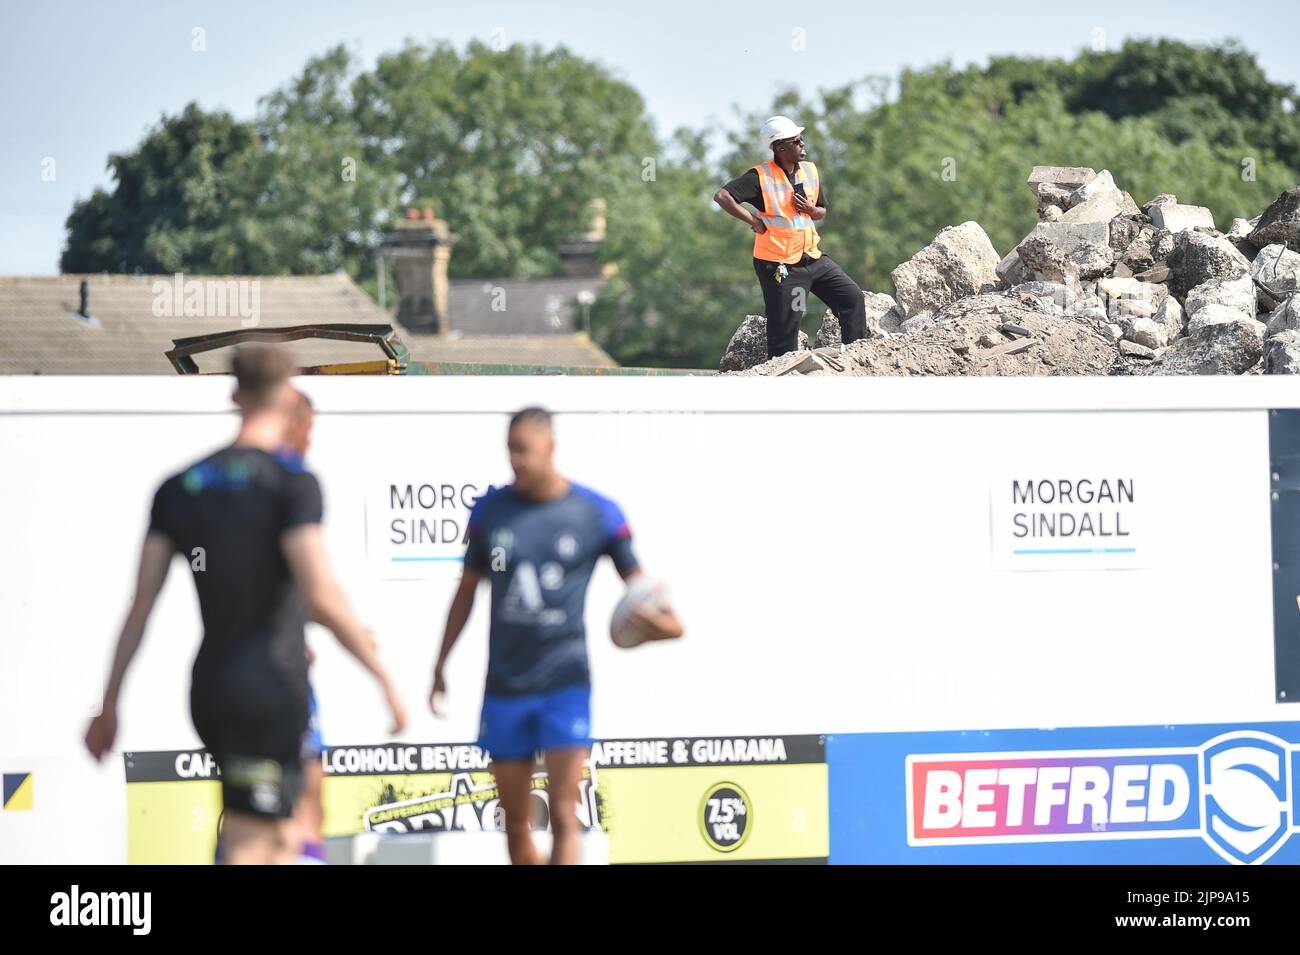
(624, 629)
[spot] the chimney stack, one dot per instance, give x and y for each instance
(420, 247)
(581, 258)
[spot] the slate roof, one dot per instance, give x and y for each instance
(41, 332)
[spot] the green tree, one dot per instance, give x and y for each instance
(514, 142)
(684, 275)
(322, 193)
(171, 203)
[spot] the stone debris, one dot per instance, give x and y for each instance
(1171, 315)
(1136, 350)
(748, 346)
(1214, 314)
(1228, 349)
(1276, 270)
(1148, 333)
(1286, 318)
(1060, 252)
(1176, 217)
(1099, 286)
(884, 318)
(1282, 354)
(967, 338)
(1236, 294)
(1197, 258)
(959, 262)
(1065, 178)
(1099, 200)
(1280, 222)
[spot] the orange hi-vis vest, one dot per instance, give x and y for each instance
(789, 234)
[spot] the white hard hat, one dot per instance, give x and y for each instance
(778, 128)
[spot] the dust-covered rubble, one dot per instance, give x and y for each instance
(1100, 286)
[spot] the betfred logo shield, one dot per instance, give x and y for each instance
(1246, 793)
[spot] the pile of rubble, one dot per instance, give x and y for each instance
(1098, 287)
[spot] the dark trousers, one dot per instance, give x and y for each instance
(785, 307)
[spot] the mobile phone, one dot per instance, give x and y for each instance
(799, 190)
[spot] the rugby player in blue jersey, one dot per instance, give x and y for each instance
(538, 541)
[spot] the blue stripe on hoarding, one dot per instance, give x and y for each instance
(1076, 550)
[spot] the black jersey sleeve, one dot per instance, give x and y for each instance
(162, 514)
(303, 503)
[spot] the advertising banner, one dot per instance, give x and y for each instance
(873, 557)
(660, 800)
(1153, 795)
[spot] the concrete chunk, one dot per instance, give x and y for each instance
(1134, 350)
(1068, 177)
(1129, 309)
(1175, 217)
(1170, 314)
(1124, 288)
(1045, 261)
(1099, 200)
(1078, 241)
(1213, 315)
(1055, 295)
(1237, 294)
(1282, 354)
(1100, 208)
(1199, 258)
(748, 346)
(1280, 223)
(1277, 268)
(959, 261)
(1225, 349)
(1049, 193)
(1286, 318)
(1148, 333)
(883, 316)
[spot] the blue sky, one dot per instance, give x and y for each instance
(79, 80)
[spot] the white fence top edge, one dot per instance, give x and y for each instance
(457, 394)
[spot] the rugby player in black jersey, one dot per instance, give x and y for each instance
(254, 515)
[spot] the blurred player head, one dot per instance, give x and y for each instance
(262, 382)
(531, 442)
(298, 436)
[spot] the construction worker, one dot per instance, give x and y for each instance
(790, 198)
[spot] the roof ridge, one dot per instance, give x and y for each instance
(123, 277)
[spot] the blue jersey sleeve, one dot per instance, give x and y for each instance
(476, 548)
(617, 535)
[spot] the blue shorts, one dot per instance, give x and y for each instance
(516, 727)
(312, 744)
